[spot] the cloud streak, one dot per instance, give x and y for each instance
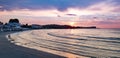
(60, 5)
(83, 12)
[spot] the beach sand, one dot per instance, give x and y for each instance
(9, 50)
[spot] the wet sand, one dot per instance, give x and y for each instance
(82, 43)
(9, 50)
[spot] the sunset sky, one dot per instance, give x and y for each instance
(100, 13)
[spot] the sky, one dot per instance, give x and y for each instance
(100, 13)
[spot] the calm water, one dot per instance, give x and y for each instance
(72, 43)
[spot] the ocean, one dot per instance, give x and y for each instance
(72, 43)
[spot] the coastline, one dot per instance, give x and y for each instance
(10, 50)
(48, 50)
(63, 42)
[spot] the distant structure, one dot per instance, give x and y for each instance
(13, 24)
(55, 26)
(1, 25)
(35, 26)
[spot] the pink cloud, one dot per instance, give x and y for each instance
(101, 14)
(116, 10)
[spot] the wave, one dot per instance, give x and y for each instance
(80, 43)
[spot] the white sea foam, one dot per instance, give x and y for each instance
(72, 43)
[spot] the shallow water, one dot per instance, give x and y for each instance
(72, 43)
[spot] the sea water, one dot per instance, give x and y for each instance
(72, 43)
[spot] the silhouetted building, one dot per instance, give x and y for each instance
(13, 24)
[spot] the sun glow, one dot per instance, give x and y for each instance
(72, 23)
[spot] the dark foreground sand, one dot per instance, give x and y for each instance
(9, 50)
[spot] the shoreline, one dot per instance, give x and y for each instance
(55, 52)
(10, 50)
(64, 41)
